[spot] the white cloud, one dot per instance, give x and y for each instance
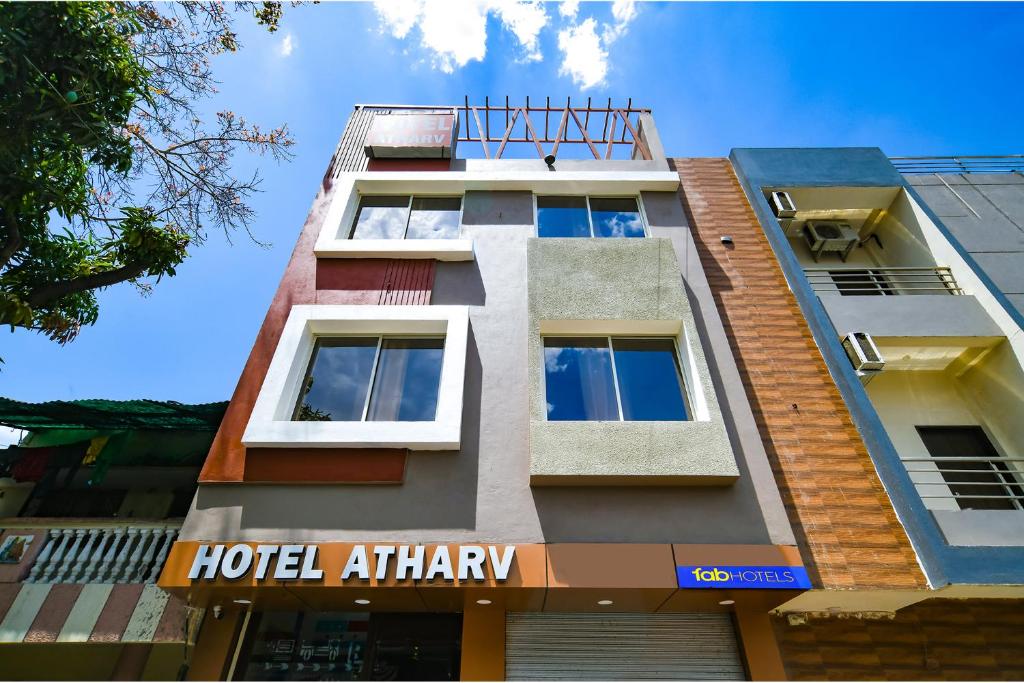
(398, 16)
(287, 45)
(569, 8)
(585, 53)
(623, 12)
(456, 34)
(584, 60)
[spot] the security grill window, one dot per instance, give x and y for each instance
(612, 379)
(352, 379)
(401, 216)
(977, 476)
(589, 217)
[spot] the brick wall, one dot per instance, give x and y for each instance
(937, 640)
(848, 533)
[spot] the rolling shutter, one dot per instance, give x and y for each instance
(621, 646)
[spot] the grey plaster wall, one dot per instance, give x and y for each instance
(981, 527)
(923, 315)
(483, 492)
(605, 282)
(987, 219)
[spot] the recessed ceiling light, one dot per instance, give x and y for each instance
(242, 601)
(726, 602)
(483, 602)
(605, 602)
(362, 601)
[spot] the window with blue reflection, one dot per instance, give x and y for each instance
(337, 380)
(407, 380)
(616, 217)
(381, 217)
(401, 376)
(562, 217)
(432, 218)
(578, 379)
(602, 378)
(650, 383)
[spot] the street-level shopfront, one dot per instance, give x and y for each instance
(392, 611)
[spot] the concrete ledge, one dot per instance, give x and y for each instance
(630, 454)
(440, 249)
(981, 527)
(924, 315)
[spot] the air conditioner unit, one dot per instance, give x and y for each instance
(782, 204)
(863, 354)
(830, 236)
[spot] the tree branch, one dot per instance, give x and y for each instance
(49, 293)
(13, 241)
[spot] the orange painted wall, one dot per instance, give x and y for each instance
(846, 527)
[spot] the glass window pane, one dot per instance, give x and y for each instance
(578, 379)
(434, 218)
(381, 218)
(616, 217)
(562, 217)
(337, 380)
(408, 376)
(650, 386)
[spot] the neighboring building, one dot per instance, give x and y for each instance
(570, 417)
(91, 500)
(925, 349)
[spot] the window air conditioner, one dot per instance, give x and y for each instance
(782, 204)
(830, 236)
(863, 354)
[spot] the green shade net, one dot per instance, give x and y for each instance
(105, 416)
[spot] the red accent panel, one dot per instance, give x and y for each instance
(116, 613)
(171, 627)
(408, 283)
(53, 613)
(358, 281)
(325, 465)
(409, 165)
(8, 592)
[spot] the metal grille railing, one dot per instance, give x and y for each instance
(883, 280)
(973, 483)
(113, 554)
(1006, 163)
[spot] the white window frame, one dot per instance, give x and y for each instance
(695, 397)
(270, 424)
(335, 238)
(408, 214)
(590, 217)
(610, 338)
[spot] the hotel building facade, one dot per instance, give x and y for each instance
(536, 400)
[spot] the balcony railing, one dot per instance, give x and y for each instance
(1006, 163)
(973, 483)
(107, 554)
(883, 281)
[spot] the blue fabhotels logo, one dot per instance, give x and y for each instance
(742, 577)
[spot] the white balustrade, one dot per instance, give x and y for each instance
(103, 555)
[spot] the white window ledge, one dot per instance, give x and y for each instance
(440, 249)
(270, 425)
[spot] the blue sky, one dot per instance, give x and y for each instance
(915, 78)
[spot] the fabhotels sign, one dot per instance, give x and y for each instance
(300, 562)
(707, 576)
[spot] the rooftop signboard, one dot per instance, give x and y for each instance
(411, 136)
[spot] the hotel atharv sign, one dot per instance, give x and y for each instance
(300, 562)
(411, 136)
